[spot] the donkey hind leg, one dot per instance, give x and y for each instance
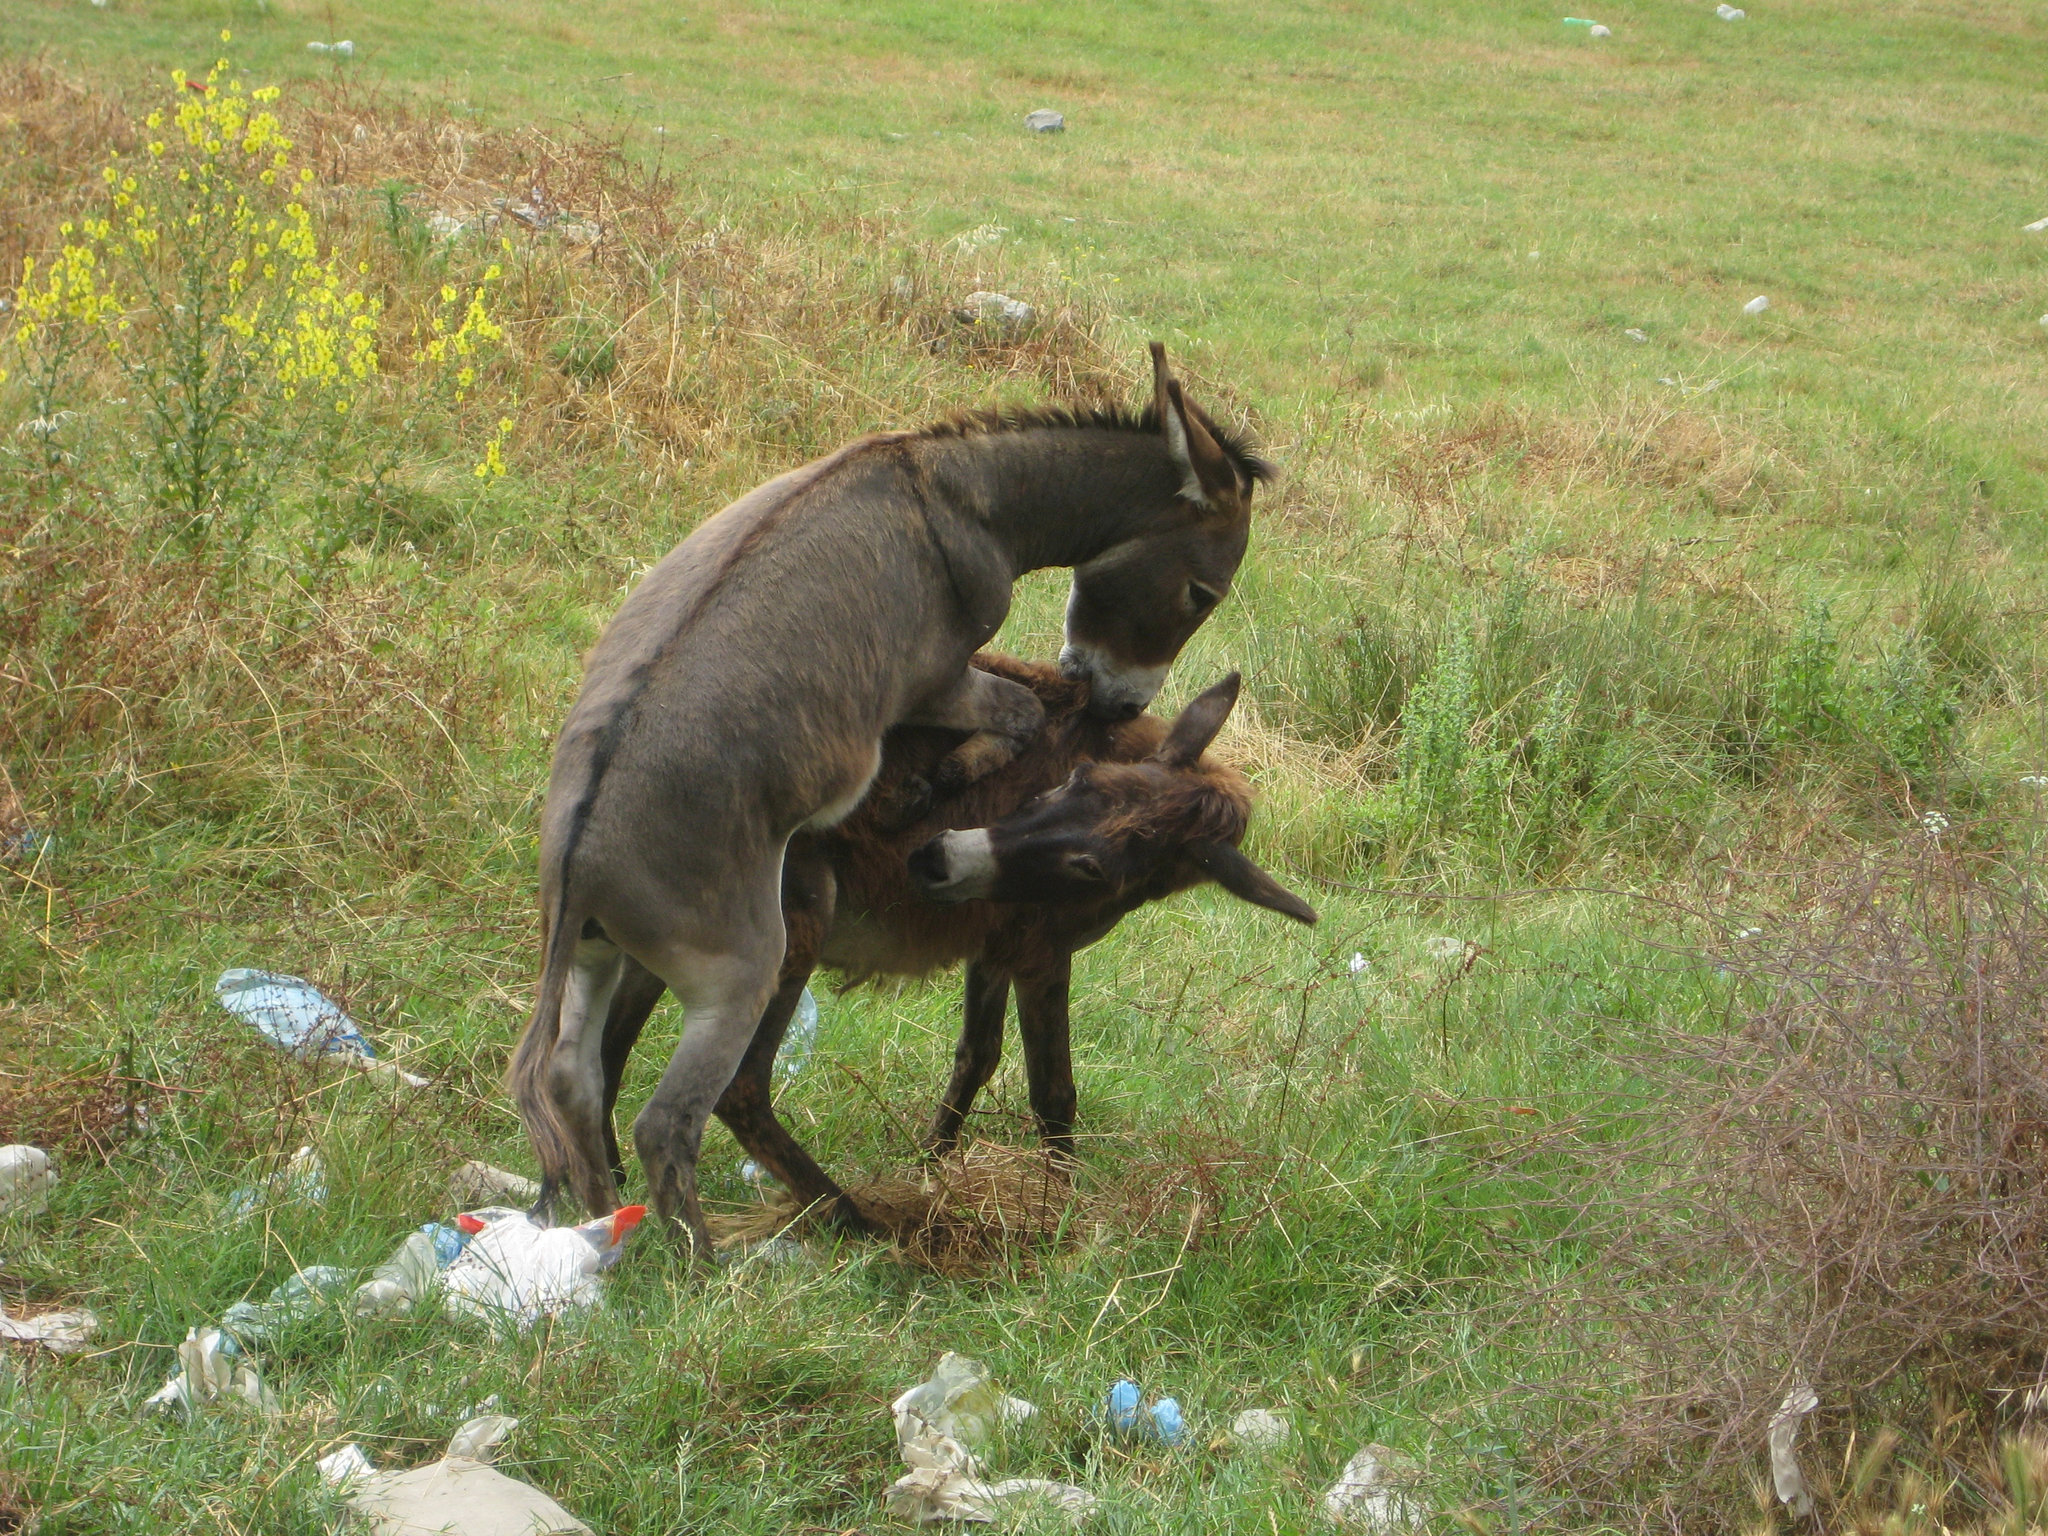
(985, 1000)
(1003, 717)
(575, 1074)
(638, 992)
(1042, 1024)
(723, 993)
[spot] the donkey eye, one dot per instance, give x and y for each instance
(1084, 865)
(1202, 598)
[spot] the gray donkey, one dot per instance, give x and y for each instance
(742, 691)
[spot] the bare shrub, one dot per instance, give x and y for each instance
(1848, 1187)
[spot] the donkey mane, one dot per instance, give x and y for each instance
(1109, 418)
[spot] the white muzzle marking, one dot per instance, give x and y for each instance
(1113, 688)
(970, 866)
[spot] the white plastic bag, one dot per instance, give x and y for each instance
(1373, 1493)
(515, 1271)
(61, 1333)
(459, 1495)
(210, 1370)
(26, 1180)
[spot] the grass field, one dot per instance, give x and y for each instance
(1593, 623)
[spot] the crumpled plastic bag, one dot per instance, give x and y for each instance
(61, 1333)
(1374, 1493)
(513, 1271)
(255, 1322)
(302, 1178)
(26, 1179)
(412, 1274)
(475, 1184)
(937, 1421)
(459, 1495)
(210, 1370)
(1786, 1479)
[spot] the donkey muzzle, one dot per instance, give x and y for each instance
(955, 866)
(1114, 693)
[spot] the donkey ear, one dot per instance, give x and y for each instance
(1207, 476)
(1229, 868)
(1197, 724)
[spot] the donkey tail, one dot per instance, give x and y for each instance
(527, 1077)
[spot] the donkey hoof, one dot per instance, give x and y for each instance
(850, 1219)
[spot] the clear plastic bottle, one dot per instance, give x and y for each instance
(799, 1039)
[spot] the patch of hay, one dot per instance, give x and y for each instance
(983, 1204)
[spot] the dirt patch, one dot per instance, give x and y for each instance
(78, 1114)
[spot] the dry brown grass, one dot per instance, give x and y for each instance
(1849, 1188)
(989, 1206)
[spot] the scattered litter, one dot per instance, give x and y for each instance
(802, 1035)
(982, 236)
(296, 1016)
(937, 1421)
(1045, 120)
(210, 1370)
(1785, 1474)
(459, 1495)
(1579, 21)
(774, 1253)
(1127, 1414)
(26, 1179)
(513, 1270)
(997, 307)
(443, 225)
(1601, 31)
(478, 1184)
(22, 844)
(755, 1174)
(255, 1322)
(2044, 322)
(1443, 947)
(1639, 337)
(1728, 12)
(2037, 226)
(302, 1178)
(61, 1333)
(345, 48)
(341, 1468)
(1373, 1493)
(1757, 305)
(1358, 963)
(1260, 1428)
(2035, 780)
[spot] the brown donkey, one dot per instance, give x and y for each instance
(742, 692)
(1091, 821)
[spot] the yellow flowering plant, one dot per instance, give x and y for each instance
(244, 347)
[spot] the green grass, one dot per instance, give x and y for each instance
(1407, 244)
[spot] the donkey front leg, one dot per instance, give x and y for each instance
(1042, 1023)
(1003, 717)
(985, 1001)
